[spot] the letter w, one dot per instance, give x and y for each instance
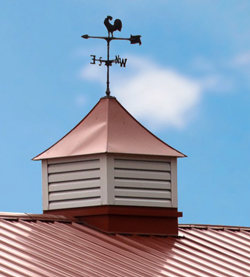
(123, 62)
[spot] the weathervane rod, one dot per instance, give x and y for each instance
(108, 90)
(117, 26)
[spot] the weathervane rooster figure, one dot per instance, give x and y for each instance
(112, 28)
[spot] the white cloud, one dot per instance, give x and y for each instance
(159, 96)
(93, 73)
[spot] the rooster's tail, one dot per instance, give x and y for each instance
(118, 24)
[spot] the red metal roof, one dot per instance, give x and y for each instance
(108, 128)
(46, 245)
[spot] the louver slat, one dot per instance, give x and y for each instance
(74, 166)
(87, 184)
(78, 175)
(139, 164)
(141, 175)
(78, 194)
(143, 193)
(74, 203)
(146, 184)
(143, 202)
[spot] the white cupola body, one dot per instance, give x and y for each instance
(110, 166)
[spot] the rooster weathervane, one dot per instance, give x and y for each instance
(117, 26)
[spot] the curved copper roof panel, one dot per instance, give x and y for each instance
(109, 128)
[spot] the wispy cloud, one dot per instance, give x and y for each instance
(242, 63)
(202, 64)
(242, 59)
(80, 100)
(217, 83)
(156, 95)
(214, 75)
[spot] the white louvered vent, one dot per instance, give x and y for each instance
(108, 179)
(140, 182)
(72, 184)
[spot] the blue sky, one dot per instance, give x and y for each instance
(189, 83)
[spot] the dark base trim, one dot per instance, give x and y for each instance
(126, 220)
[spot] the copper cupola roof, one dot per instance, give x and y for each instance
(108, 128)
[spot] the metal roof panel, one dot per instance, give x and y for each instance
(40, 245)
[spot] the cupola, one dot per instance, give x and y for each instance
(112, 173)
